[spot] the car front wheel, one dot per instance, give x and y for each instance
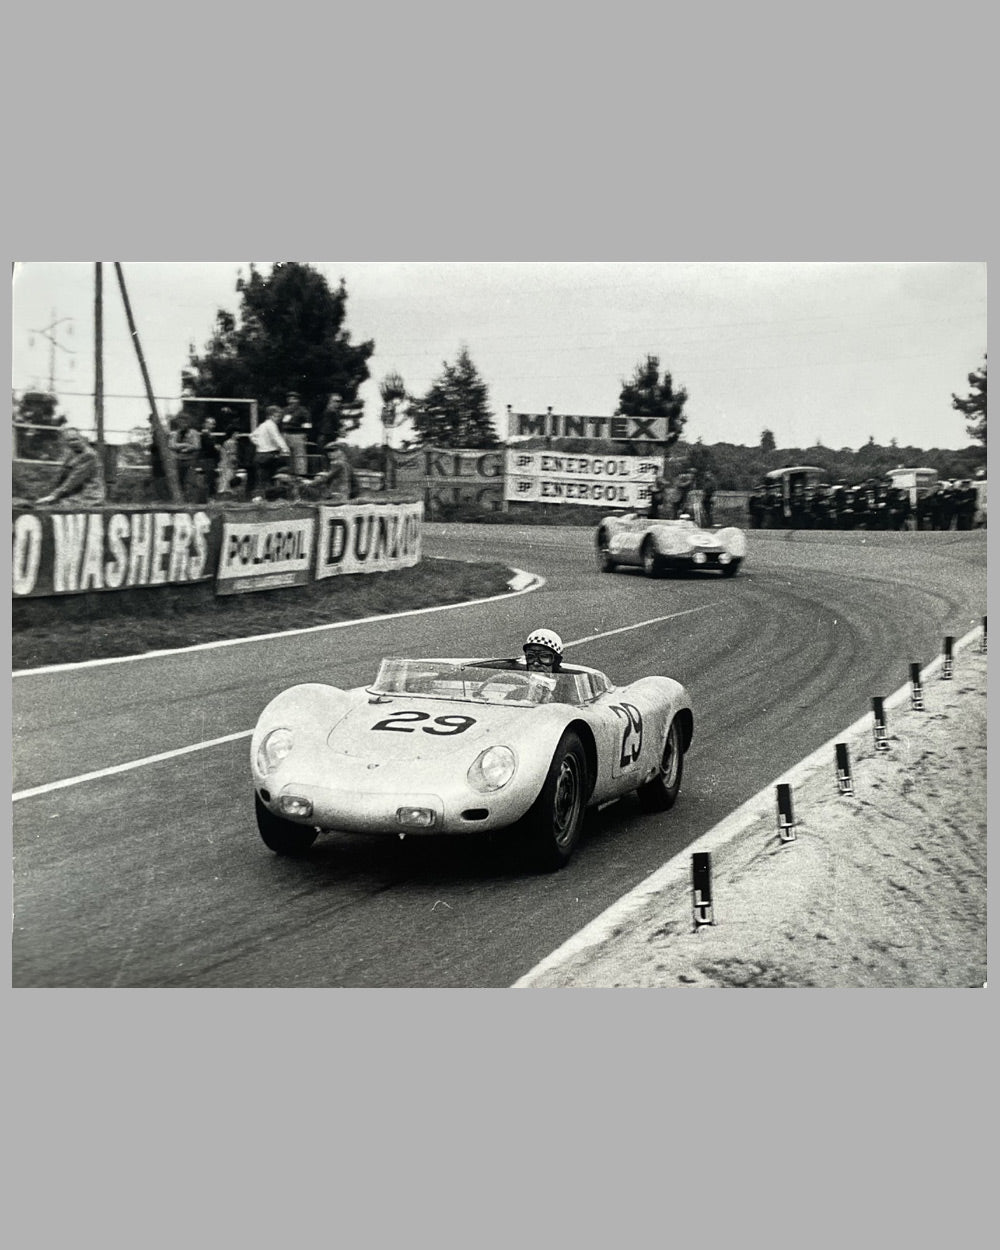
(660, 794)
(282, 836)
(605, 560)
(651, 562)
(553, 823)
(732, 568)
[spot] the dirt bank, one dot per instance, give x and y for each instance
(882, 888)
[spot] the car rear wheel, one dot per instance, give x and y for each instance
(282, 836)
(605, 560)
(553, 823)
(732, 568)
(651, 563)
(660, 794)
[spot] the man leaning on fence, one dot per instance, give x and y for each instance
(271, 453)
(80, 480)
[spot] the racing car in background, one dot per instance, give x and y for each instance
(656, 545)
(459, 746)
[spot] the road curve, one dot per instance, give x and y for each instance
(155, 876)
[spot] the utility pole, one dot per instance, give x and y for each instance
(159, 434)
(99, 358)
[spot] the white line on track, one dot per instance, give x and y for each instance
(518, 587)
(126, 768)
(204, 746)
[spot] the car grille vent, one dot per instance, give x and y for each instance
(475, 813)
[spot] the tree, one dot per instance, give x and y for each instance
(767, 442)
(290, 335)
(455, 411)
(974, 405)
(646, 395)
(36, 408)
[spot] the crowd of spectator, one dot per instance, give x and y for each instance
(276, 460)
(873, 505)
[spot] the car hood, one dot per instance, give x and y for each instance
(404, 730)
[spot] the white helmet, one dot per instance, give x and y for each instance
(545, 638)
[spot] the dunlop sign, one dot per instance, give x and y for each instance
(555, 425)
(368, 538)
(262, 554)
(67, 553)
(559, 477)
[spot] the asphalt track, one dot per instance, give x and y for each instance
(154, 876)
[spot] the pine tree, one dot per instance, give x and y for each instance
(974, 405)
(455, 411)
(646, 395)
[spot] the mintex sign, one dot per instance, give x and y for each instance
(67, 553)
(368, 538)
(556, 425)
(264, 553)
(558, 477)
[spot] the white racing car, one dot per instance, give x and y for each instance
(458, 746)
(657, 546)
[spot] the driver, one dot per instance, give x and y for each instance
(543, 649)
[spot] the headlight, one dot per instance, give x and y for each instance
(492, 769)
(273, 749)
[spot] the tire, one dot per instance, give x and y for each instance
(282, 836)
(660, 794)
(732, 568)
(651, 564)
(553, 823)
(605, 560)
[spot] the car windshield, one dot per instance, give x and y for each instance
(453, 679)
(487, 681)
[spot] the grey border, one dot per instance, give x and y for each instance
(572, 139)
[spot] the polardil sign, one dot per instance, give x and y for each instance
(266, 552)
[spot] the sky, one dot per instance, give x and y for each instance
(832, 352)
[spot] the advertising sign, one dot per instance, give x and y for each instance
(72, 552)
(262, 552)
(368, 538)
(557, 425)
(561, 477)
(452, 476)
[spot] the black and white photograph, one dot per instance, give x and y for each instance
(488, 625)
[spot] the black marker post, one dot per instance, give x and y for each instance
(701, 885)
(916, 689)
(786, 820)
(881, 732)
(948, 662)
(845, 782)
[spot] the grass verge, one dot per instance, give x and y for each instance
(93, 627)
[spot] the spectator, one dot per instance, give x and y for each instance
(185, 443)
(682, 488)
(707, 496)
(227, 463)
(271, 453)
(336, 483)
(330, 422)
(208, 454)
(80, 481)
(296, 423)
(657, 500)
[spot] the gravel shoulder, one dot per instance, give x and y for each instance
(882, 888)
